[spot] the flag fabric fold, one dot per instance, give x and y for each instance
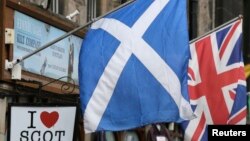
(217, 85)
(133, 67)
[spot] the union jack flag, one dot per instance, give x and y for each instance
(217, 86)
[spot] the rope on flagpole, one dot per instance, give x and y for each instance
(215, 29)
(14, 62)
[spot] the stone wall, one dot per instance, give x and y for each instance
(81, 5)
(204, 21)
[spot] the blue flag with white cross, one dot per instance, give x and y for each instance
(133, 67)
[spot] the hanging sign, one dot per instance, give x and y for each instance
(43, 123)
(60, 59)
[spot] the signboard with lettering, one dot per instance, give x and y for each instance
(47, 123)
(61, 59)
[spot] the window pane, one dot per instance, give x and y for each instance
(226, 10)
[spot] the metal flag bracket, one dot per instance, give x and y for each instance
(15, 67)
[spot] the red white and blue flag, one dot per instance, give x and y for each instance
(217, 86)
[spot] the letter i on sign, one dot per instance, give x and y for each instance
(31, 119)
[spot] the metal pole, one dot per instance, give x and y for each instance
(217, 28)
(69, 33)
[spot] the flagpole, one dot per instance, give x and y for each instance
(217, 28)
(14, 62)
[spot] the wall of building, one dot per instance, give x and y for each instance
(66, 7)
(107, 5)
(204, 17)
(81, 5)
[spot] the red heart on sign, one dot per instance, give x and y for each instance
(49, 119)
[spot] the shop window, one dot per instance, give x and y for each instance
(92, 9)
(193, 5)
(208, 14)
(74, 10)
(54, 6)
(226, 10)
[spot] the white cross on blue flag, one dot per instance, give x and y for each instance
(133, 67)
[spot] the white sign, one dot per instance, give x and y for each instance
(161, 138)
(42, 123)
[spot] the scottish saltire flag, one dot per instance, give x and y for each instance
(217, 86)
(133, 67)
